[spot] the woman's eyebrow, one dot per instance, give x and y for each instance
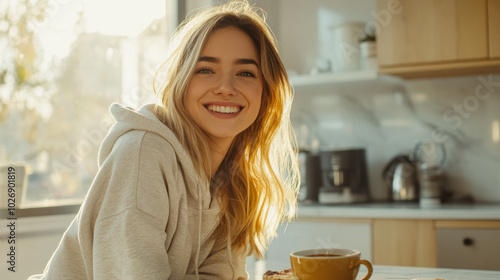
(209, 59)
(238, 61)
(247, 61)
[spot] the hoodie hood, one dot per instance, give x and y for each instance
(144, 119)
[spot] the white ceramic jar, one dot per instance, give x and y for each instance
(346, 51)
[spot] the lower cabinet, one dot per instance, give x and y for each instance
(401, 242)
(437, 243)
(315, 233)
(404, 242)
(471, 245)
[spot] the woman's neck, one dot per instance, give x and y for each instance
(218, 151)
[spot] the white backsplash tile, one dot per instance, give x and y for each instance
(461, 112)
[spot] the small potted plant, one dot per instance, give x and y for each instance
(368, 51)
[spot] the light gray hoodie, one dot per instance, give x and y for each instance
(147, 214)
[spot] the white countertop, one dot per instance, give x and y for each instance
(402, 211)
(406, 273)
(383, 272)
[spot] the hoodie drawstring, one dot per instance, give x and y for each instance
(228, 247)
(200, 213)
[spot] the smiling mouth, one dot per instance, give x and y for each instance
(224, 109)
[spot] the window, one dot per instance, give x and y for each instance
(63, 63)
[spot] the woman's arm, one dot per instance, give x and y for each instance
(222, 264)
(130, 245)
(127, 211)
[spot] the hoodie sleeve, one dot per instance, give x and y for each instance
(130, 245)
(129, 234)
(222, 263)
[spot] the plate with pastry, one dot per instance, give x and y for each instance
(285, 274)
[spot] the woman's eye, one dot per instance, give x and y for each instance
(204, 71)
(247, 74)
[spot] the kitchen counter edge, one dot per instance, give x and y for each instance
(487, 211)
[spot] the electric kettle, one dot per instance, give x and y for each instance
(400, 175)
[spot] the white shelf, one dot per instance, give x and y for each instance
(346, 80)
(332, 78)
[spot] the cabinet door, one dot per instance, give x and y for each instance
(494, 27)
(429, 31)
(318, 233)
(468, 244)
(404, 242)
(468, 248)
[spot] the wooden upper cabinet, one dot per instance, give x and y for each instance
(494, 27)
(430, 31)
(433, 38)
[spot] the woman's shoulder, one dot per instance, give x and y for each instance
(135, 175)
(137, 142)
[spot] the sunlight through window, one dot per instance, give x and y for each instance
(63, 63)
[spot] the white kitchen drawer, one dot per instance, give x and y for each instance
(468, 248)
(315, 234)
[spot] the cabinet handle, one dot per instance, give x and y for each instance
(468, 241)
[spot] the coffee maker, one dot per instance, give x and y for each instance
(344, 177)
(311, 177)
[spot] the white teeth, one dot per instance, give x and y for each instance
(224, 109)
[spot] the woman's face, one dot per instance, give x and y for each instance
(225, 91)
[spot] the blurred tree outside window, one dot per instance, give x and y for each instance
(62, 64)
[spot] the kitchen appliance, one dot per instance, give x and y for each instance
(400, 175)
(310, 173)
(312, 178)
(430, 157)
(344, 177)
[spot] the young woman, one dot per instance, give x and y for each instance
(188, 188)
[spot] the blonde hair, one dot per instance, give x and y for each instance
(257, 182)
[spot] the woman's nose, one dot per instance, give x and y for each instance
(225, 86)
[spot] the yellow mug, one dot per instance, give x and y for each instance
(328, 264)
